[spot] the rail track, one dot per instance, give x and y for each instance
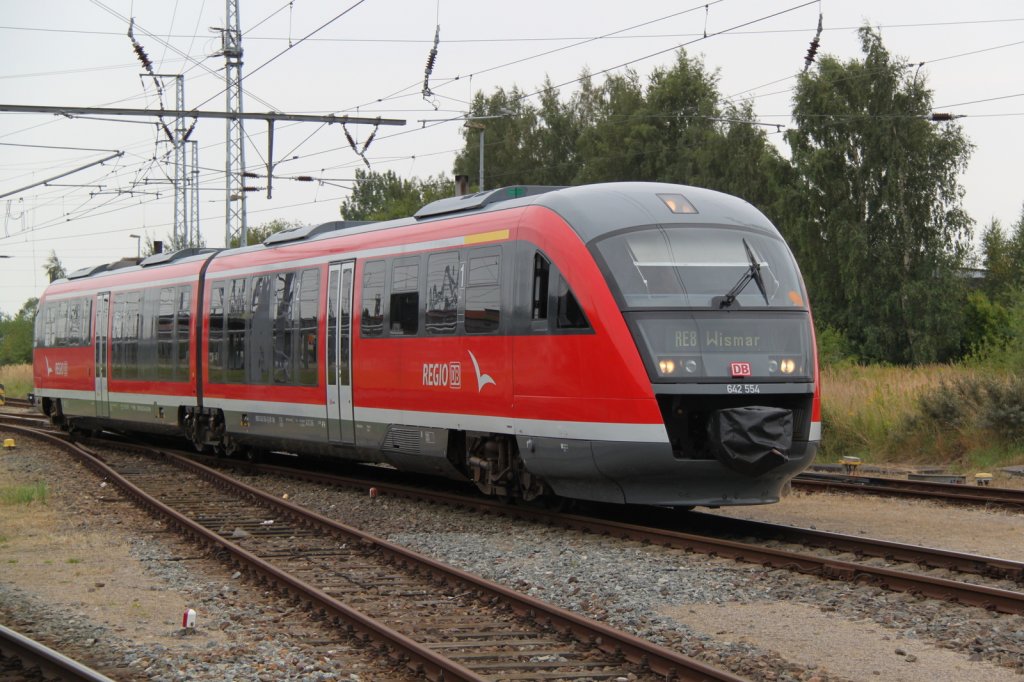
(435, 620)
(50, 664)
(721, 536)
(984, 496)
(703, 533)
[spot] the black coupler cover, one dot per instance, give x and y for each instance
(752, 440)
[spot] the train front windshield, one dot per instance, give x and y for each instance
(698, 267)
(712, 303)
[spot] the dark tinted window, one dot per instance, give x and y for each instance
(308, 309)
(215, 356)
(570, 315)
(442, 302)
(404, 306)
(64, 324)
(237, 319)
(372, 299)
(483, 291)
(541, 273)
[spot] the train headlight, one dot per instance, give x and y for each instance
(678, 366)
(783, 365)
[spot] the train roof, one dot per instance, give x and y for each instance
(591, 210)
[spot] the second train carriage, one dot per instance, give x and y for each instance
(637, 343)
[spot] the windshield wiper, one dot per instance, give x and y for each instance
(753, 272)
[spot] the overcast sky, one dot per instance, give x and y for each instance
(367, 59)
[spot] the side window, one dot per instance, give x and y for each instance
(166, 353)
(570, 315)
(308, 309)
(130, 333)
(405, 297)
(117, 337)
(183, 328)
(284, 327)
(372, 299)
(259, 354)
(442, 303)
(237, 322)
(483, 291)
(215, 354)
(75, 322)
(62, 324)
(541, 273)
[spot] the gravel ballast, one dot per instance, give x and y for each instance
(761, 623)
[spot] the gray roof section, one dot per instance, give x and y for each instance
(596, 210)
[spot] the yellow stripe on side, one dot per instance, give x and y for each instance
(494, 236)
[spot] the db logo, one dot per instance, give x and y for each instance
(455, 374)
(740, 369)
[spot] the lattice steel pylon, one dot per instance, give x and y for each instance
(180, 190)
(194, 239)
(235, 222)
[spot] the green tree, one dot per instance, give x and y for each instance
(16, 334)
(53, 267)
(1004, 259)
(258, 233)
(384, 196)
(883, 234)
(673, 129)
(509, 125)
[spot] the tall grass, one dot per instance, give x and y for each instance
(23, 494)
(863, 407)
(953, 416)
(17, 380)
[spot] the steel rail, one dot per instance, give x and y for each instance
(421, 659)
(932, 557)
(945, 492)
(52, 664)
(991, 598)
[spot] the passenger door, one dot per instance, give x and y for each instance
(340, 426)
(102, 361)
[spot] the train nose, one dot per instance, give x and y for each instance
(751, 440)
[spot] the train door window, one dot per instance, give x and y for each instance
(404, 310)
(483, 291)
(332, 329)
(285, 327)
(541, 274)
(372, 299)
(442, 300)
(308, 308)
(259, 355)
(570, 314)
(183, 335)
(166, 353)
(345, 340)
(215, 351)
(234, 362)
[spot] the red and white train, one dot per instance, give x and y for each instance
(638, 343)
